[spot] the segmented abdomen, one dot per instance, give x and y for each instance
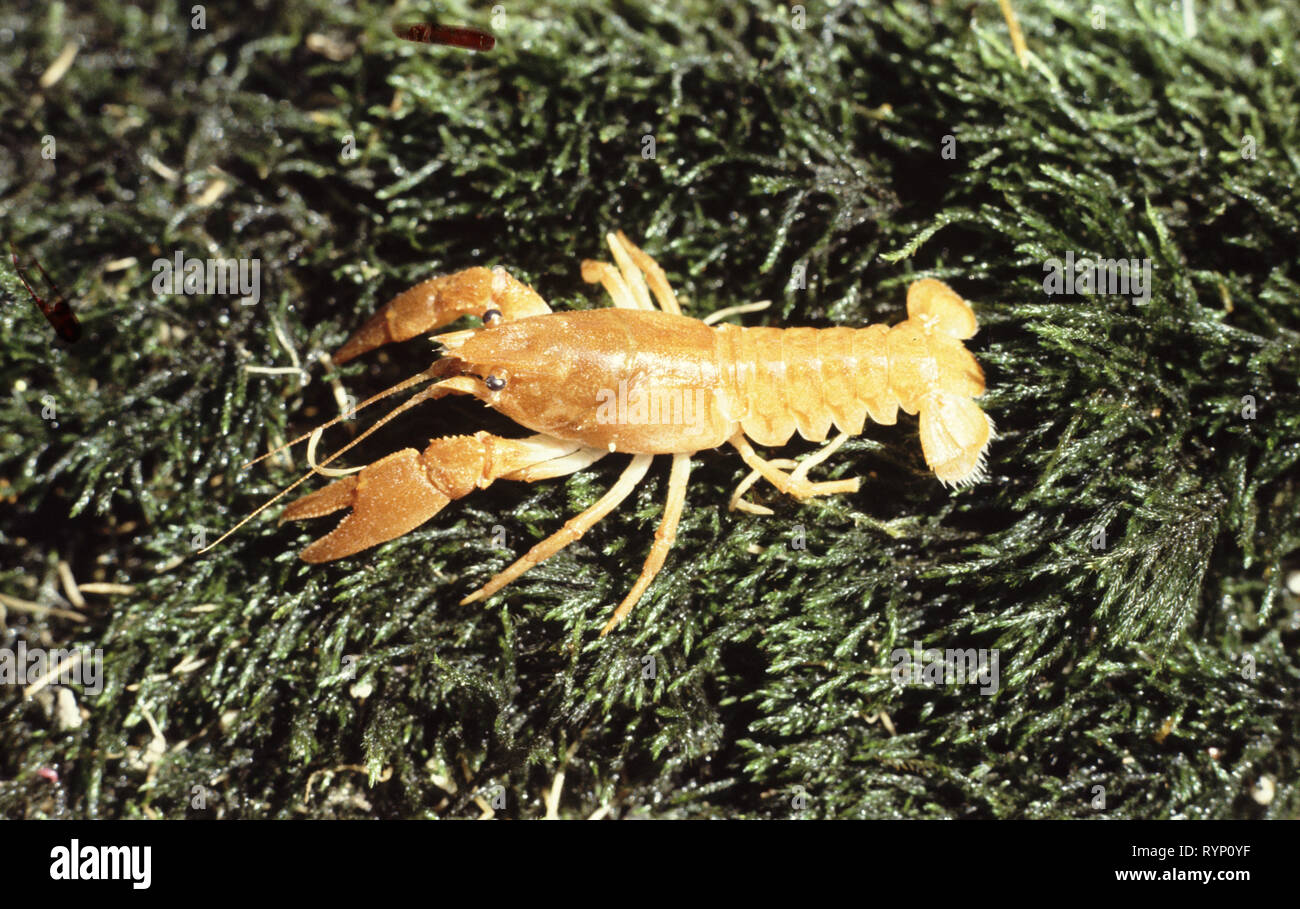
(780, 380)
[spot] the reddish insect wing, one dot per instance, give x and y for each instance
(455, 36)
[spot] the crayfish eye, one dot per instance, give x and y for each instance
(494, 383)
(491, 317)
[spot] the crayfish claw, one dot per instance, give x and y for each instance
(388, 498)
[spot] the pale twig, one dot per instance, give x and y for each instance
(274, 370)
(68, 662)
(1017, 38)
(97, 587)
(37, 609)
(70, 585)
(736, 311)
(60, 65)
(557, 786)
(322, 470)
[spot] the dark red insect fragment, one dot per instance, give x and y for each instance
(454, 35)
(58, 312)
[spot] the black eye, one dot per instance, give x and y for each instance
(492, 317)
(494, 383)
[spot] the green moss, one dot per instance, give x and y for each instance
(1161, 667)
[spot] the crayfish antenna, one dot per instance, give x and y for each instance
(433, 391)
(430, 373)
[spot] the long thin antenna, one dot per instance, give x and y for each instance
(400, 386)
(459, 383)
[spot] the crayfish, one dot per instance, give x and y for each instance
(644, 380)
